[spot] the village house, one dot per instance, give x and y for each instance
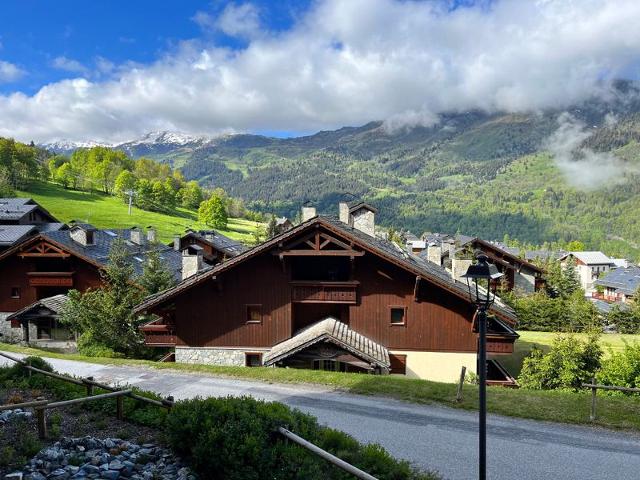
(328, 295)
(455, 254)
(619, 285)
(38, 270)
(589, 267)
(214, 246)
(283, 224)
(21, 218)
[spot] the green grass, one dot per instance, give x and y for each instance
(543, 340)
(105, 211)
(566, 407)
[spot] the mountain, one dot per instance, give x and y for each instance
(538, 177)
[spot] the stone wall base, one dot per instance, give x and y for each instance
(231, 357)
(9, 335)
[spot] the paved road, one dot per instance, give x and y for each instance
(432, 437)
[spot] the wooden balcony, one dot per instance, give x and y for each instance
(159, 335)
(50, 279)
(605, 297)
(500, 345)
(324, 292)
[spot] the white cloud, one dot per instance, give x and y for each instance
(346, 63)
(10, 72)
(69, 65)
(581, 166)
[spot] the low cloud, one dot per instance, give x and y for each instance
(10, 72)
(581, 166)
(69, 65)
(346, 63)
(408, 120)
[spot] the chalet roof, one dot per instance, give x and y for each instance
(623, 280)
(333, 331)
(10, 234)
(13, 209)
(590, 258)
(356, 205)
(282, 221)
(383, 248)
(55, 304)
(218, 241)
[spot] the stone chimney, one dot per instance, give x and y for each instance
(459, 267)
(191, 264)
(136, 236)
(308, 212)
(151, 235)
(209, 235)
(364, 219)
(343, 212)
(81, 235)
(176, 243)
(434, 253)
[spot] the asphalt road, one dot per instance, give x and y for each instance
(432, 437)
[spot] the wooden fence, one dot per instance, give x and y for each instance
(595, 387)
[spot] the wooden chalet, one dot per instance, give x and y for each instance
(50, 264)
(213, 246)
(326, 294)
(21, 218)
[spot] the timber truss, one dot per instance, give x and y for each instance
(43, 249)
(318, 244)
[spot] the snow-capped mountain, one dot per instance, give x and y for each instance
(67, 146)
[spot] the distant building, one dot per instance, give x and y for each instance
(21, 218)
(589, 267)
(619, 285)
(214, 246)
(48, 264)
(283, 224)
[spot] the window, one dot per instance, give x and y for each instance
(15, 292)
(398, 315)
(254, 313)
(253, 359)
(89, 237)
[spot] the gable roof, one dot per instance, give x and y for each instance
(98, 252)
(55, 304)
(13, 209)
(624, 280)
(220, 242)
(10, 234)
(590, 258)
(333, 331)
(382, 248)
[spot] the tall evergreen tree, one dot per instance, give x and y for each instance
(156, 277)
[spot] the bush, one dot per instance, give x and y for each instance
(236, 438)
(622, 368)
(570, 363)
(87, 346)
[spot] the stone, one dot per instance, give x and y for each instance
(111, 474)
(13, 476)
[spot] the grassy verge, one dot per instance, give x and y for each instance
(105, 211)
(565, 407)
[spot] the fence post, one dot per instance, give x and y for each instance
(42, 422)
(592, 417)
(89, 386)
(169, 405)
(120, 407)
(460, 384)
(28, 369)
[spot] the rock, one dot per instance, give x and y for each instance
(111, 474)
(13, 476)
(115, 465)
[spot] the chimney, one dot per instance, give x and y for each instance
(82, 235)
(191, 264)
(176, 243)
(210, 235)
(364, 219)
(343, 212)
(459, 267)
(136, 236)
(434, 253)
(308, 212)
(151, 235)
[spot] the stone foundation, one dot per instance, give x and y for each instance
(213, 356)
(9, 335)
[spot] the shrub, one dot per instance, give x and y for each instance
(236, 438)
(622, 368)
(88, 347)
(569, 363)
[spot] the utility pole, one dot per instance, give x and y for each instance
(130, 193)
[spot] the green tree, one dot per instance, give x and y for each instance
(213, 212)
(576, 246)
(66, 176)
(191, 195)
(271, 227)
(144, 194)
(104, 316)
(125, 182)
(156, 277)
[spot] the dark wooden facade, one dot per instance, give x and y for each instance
(315, 272)
(40, 269)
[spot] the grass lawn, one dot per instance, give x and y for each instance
(543, 340)
(566, 407)
(105, 211)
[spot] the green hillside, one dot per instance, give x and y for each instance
(105, 211)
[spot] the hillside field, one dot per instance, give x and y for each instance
(104, 211)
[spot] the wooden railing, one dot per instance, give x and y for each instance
(595, 387)
(605, 297)
(158, 334)
(50, 279)
(324, 292)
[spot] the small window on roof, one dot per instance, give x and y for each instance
(111, 233)
(398, 315)
(89, 234)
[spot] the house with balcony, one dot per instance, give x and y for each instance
(589, 267)
(619, 285)
(21, 218)
(39, 270)
(328, 294)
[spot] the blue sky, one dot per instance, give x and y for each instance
(111, 71)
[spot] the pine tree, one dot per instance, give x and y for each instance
(271, 227)
(156, 277)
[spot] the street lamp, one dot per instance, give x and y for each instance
(482, 281)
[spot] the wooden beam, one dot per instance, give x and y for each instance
(320, 253)
(415, 288)
(44, 255)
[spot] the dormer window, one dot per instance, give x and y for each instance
(89, 234)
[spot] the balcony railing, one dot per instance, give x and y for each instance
(50, 279)
(324, 292)
(605, 297)
(159, 335)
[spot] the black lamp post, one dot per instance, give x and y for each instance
(482, 281)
